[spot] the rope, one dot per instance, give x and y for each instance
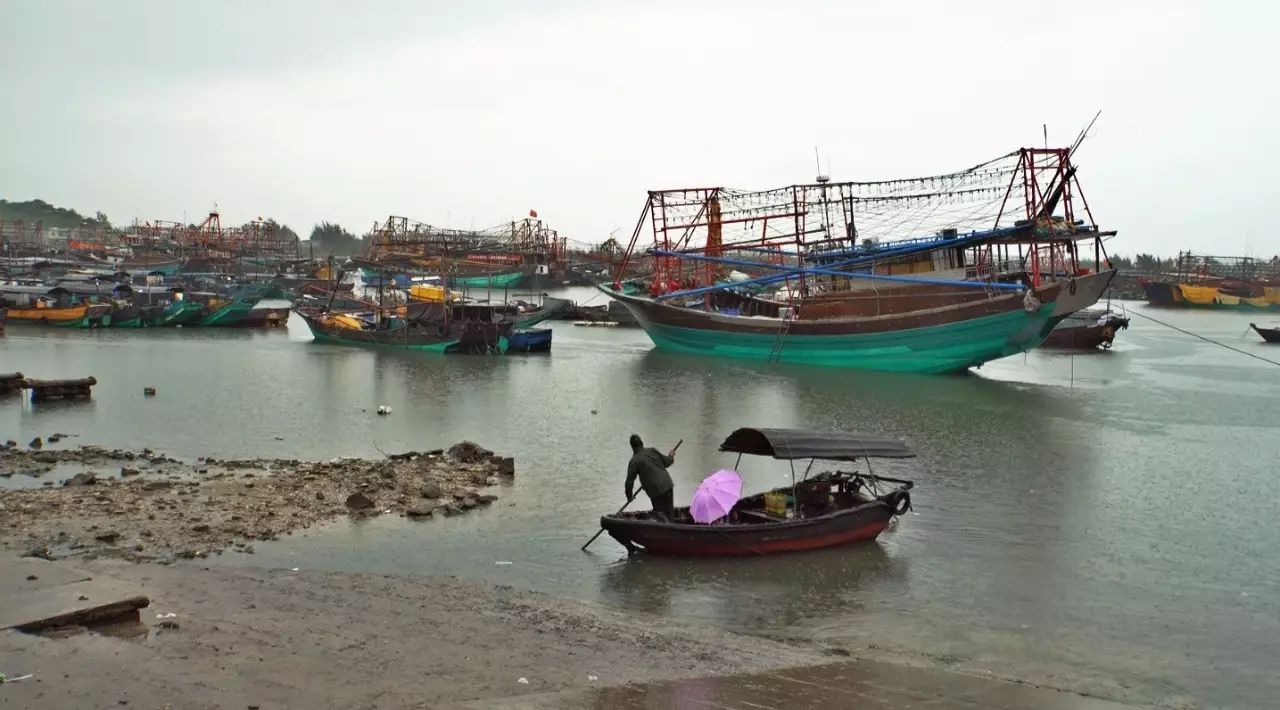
(1207, 340)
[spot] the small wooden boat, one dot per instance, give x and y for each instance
(1271, 335)
(832, 508)
(1086, 330)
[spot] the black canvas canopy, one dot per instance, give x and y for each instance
(803, 444)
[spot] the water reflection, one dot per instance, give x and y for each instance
(762, 594)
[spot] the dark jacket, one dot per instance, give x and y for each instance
(650, 465)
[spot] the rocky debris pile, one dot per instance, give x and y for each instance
(161, 508)
(36, 460)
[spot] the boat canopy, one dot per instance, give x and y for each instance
(803, 444)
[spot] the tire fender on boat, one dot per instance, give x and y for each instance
(899, 501)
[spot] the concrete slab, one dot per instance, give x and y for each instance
(860, 684)
(59, 595)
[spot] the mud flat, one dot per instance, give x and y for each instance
(145, 506)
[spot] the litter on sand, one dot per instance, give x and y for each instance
(522, 680)
(502, 562)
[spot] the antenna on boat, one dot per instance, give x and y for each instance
(1083, 134)
(817, 161)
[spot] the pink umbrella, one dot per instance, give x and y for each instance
(715, 496)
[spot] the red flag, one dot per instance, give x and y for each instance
(533, 213)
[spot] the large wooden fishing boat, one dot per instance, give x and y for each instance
(829, 509)
(821, 276)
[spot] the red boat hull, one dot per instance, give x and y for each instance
(864, 522)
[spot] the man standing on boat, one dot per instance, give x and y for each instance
(650, 466)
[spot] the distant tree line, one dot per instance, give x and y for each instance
(330, 239)
(32, 211)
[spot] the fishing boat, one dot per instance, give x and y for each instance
(82, 315)
(1216, 282)
(1088, 329)
(823, 278)
(825, 510)
(1271, 335)
(227, 312)
(451, 327)
(509, 279)
(177, 312)
(530, 340)
(128, 315)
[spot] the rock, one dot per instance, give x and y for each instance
(157, 485)
(55, 438)
(125, 472)
(419, 510)
(201, 528)
(448, 510)
(148, 391)
(359, 501)
(506, 466)
(468, 452)
(468, 503)
(32, 578)
(479, 478)
(108, 537)
(319, 495)
(36, 443)
(485, 499)
(431, 489)
(81, 479)
(45, 457)
(11, 444)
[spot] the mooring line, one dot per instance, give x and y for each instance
(1207, 340)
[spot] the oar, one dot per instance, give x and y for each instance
(624, 505)
(601, 530)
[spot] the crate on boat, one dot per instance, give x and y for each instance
(775, 503)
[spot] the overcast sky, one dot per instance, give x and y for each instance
(468, 114)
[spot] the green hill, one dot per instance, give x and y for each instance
(33, 211)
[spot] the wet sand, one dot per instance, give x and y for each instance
(302, 639)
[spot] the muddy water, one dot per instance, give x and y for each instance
(1105, 522)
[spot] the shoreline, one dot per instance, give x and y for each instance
(275, 638)
(167, 514)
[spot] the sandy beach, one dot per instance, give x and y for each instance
(235, 638)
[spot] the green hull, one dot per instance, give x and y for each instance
(946, 348)
(135, 322)
(230, 314)
(178, 313)
(492, 280)
(86, 322)
(333, 340)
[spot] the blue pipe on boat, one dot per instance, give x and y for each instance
(790, 272)
(930, 245)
